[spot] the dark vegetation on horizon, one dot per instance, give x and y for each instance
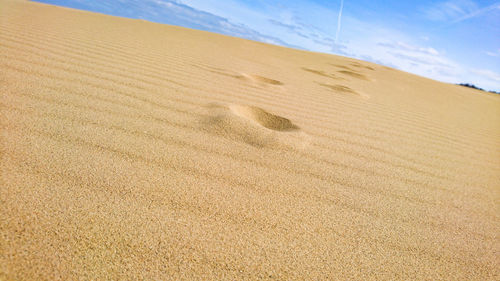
(475, 87)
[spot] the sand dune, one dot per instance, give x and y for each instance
(135, 150)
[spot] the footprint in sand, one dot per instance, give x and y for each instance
(254, 126)
(254, 78)
(343, 89)
(342, 66)
(359, 65)
(320, 73)
(351, 72)
(354, 74)
(221, 71)
(263, 118)
(262, 79)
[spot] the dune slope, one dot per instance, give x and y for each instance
(135, 150)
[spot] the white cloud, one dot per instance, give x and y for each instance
(391, 47)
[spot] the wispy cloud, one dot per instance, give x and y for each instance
(493, 76)
(478, 12)
(456, 11)
(293, 28)
(450, 10)
(407, 47)
(494, 53)
(300, 22)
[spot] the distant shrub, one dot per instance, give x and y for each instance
(471, 86)
(476, 87)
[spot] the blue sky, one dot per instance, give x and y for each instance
(452, 41)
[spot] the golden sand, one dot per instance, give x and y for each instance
(135, 150)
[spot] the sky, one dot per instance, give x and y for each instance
(455, 41)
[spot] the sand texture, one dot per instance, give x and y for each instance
(140, 151)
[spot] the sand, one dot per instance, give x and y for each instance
(134, 150)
